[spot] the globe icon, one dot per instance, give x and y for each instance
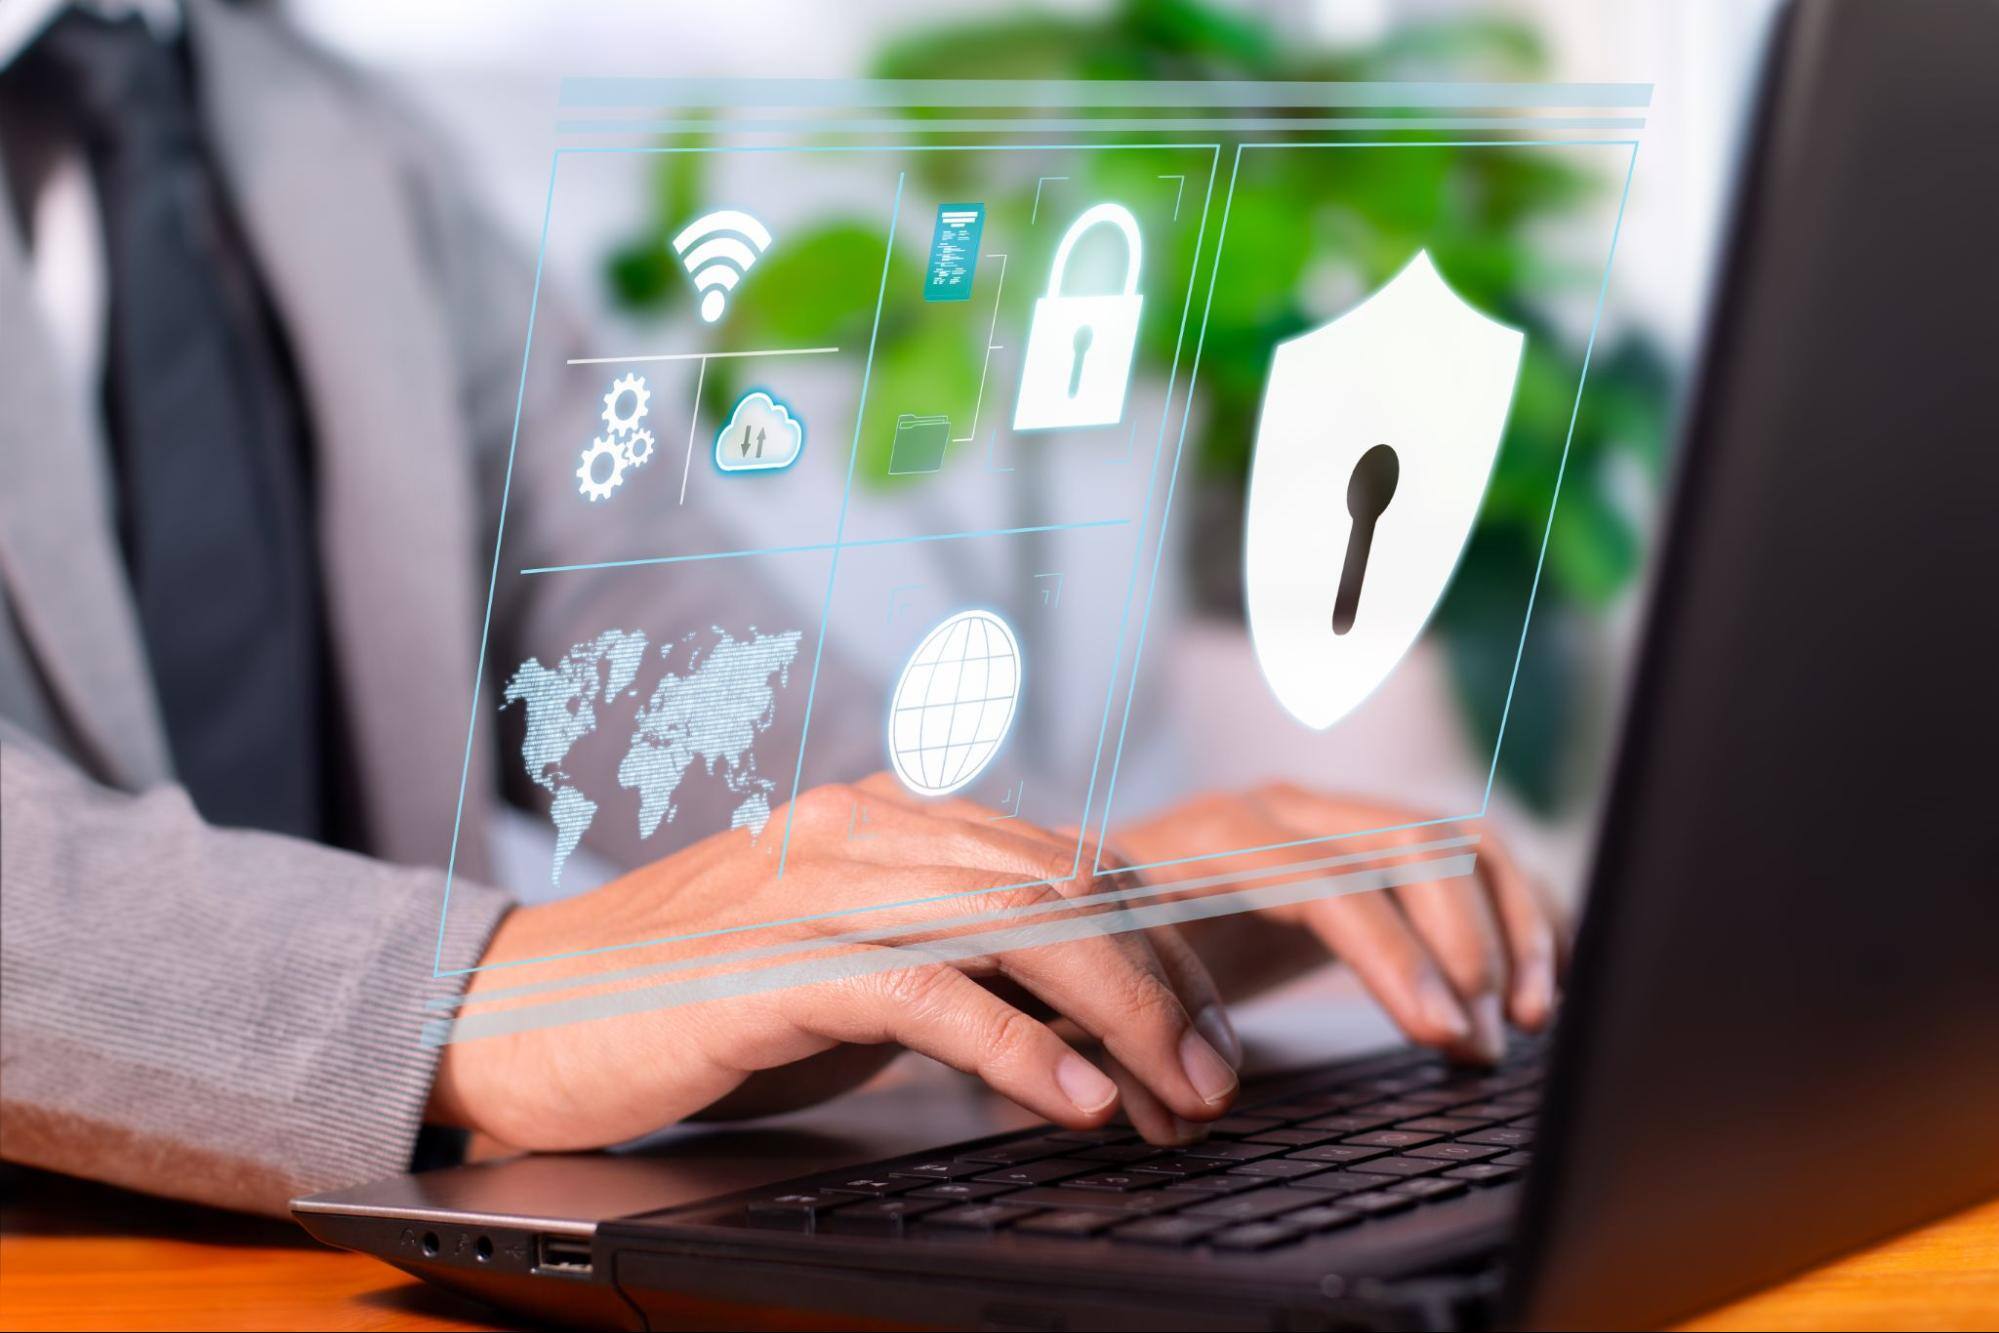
(954, 703)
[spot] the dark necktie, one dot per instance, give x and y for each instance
(207, 437)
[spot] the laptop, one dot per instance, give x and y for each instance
(1780, 1040)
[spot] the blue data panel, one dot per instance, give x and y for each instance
(954, 252)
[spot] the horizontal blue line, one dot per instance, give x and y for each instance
(1141, 124)
(827, 546)
(1077, 93)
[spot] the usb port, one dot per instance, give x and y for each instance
(562, 1254)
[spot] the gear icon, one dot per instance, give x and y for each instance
(638, 447)
(587, 473)
(640, 398)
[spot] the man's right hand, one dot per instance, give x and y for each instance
(1145, 996)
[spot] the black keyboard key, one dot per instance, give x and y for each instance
(1017, 1152)
(939, 1169)
(1099, 1137)
(1292, 1138)
(1278, 1168)
(1179, 1164)
(1256, 1236)
(1521, 1158)
(1116, 1154)
(1255, 1205)
(878, 1186)
(1348, 1124)
(1242, 1126)
(1341, 1182)
(1034, 1173)
(1231, 1152)
(1396, 1084)
(1057, 1196)
(1482, 1173)
(1377, 1203)
(1505, 1137)
(1444, 1124)
(1393, 1138)
(1214, 1185)
(1430, 1098)
(1287, 1111)
(1176, 1230)
(1394, 1109)
(1487, 1110)
(1455, 1152)
(878, 1216)
(1073, 1222)
(1324, 1217)
(1115, 1182)
(1399, 1166)
(961, 1191)
(1339, 1154)
(1428, 1188)
(977, 1216)
(799, 1204)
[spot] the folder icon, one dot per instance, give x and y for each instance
(919, 444)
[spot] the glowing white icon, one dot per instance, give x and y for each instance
(1378, 435)
(1079, 348)
(954, 703)
(717, 250)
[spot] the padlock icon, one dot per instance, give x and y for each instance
(1080, 348)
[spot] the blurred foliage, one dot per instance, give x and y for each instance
(1510, 229)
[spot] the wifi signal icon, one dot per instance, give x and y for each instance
(718, 250)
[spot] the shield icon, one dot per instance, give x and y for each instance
(1376, 441)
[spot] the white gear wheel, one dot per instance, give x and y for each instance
(586, 474)
(638, 447)
(634, 385)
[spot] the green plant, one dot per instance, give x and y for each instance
(1480, 212)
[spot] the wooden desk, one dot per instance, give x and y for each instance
(80, 1256)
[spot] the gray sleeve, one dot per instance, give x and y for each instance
(229, 1017)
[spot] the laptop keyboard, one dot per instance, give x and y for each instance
(1322, 1155)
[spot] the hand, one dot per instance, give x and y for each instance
(1145, 995)
(1449, 960)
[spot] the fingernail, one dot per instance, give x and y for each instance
(1488, 1036)
(1215, 1026)
(1442, 1010)
(1186, 1131)
(1084, 1084)
(1213, 1077)
(1534, 995)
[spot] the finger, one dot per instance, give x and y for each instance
(1454, 920)
(884, 827)
(1368, 932)
(951, 1018)
(1191, 980)
(1535, 937)
(1153, 1120)
(1115, 987)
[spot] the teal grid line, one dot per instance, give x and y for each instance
(840, 524)
(837, 545)
(874, 934)
(493, 582)
(1070, 93)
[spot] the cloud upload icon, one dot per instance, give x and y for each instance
(761, 436)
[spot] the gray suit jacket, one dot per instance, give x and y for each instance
(231, 1016)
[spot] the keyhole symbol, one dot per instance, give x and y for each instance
(1084, 334)
(1369, 490)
